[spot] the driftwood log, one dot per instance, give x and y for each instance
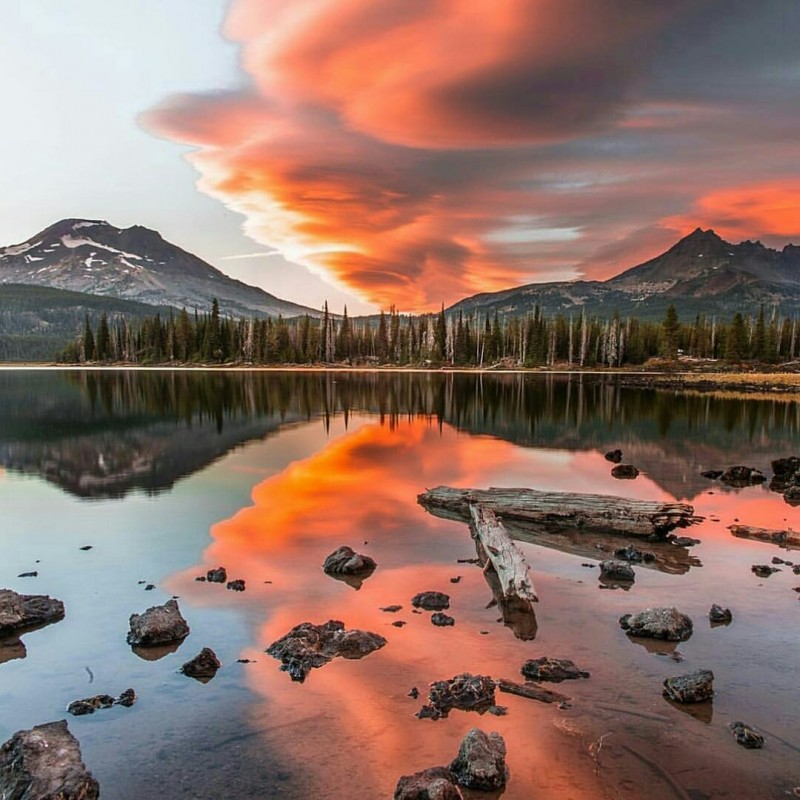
(787, 539)
(562, 510)
(532, 691)
(497, 547)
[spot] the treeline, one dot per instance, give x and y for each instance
(433, 339)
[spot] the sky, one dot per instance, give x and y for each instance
(406, 152)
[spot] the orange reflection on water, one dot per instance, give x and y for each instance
(360, 489)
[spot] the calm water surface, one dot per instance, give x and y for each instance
(169, 474)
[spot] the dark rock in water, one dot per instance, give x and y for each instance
(236, 586)
(21, 611)
(11, 649)
(33, 574)
(127, 698)
(45, 764)
(786, 474)
(719, 615)
(218, 575)
(625, 472)
(86, 547)
(465, 691)
(414, 693)
(203, 667)
(245, 661)
(684, 541)
(617, 571)
(442, 620)
(79, 708)
(693, 687)
(399, 623)
(712, 474)
(345, 561)
(308, 646)
(158, 625)
(149, 587)
(739, 476)
(456, 579)
(431, 601)
(468, 561)
(776, 560)
(614, 456)
(481, 761)
(391, 609)
(792, 496)
(746, 736)
(634, 555)
(201, 578)
(796, 569)
(552, 669)
(497, 711)
(436, 783)
(658, 623)
(763, 570)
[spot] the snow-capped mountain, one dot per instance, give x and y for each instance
(134, 263)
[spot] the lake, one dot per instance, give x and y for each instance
(167, 474)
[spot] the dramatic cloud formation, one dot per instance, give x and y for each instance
(418, 150)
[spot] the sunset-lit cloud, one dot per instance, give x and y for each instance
(414, 152)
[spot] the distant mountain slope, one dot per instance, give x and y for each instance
(702, 273)
(134, 263)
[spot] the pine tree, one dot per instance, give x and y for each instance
(103, 341)
(88, 341)
(670, 328)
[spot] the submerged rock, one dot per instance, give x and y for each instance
(739, 476)
(442, 620)
(712, 474)
(684, 541)
(436, 783)
(481, 761)
(89, 705)
(21, 611)
(693, 687)
(391, 609)
(658, 623)
(634, 555)
(203, 667)
(45, 764)
(345, 561)
(763, 570)
(552, 669)
(625, 472)
(719, 615)
(614, 456)
(158, 625)
(466, 692)
(616, 571)
(746, 736)
(218, 575)
(431, 601)
(308, 646)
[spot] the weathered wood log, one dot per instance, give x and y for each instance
(563, 510)
(505, 558)
(788, 539)
(532, 691)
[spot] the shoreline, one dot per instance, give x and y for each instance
(765, 383)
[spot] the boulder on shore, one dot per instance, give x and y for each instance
(481, 761)
(658, 623)
(693, 687)
(203, 667)
(21, 611)
(45, 764)
(308, 646)
(436, 783)
(552, 669)
(431, 601)
(157, 626)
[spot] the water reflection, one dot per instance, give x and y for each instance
(104, 433)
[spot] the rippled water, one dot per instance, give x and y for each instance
(169, 474)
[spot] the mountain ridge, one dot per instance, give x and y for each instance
(135, 263)
(701, 273)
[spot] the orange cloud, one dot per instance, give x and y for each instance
(770, 209)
